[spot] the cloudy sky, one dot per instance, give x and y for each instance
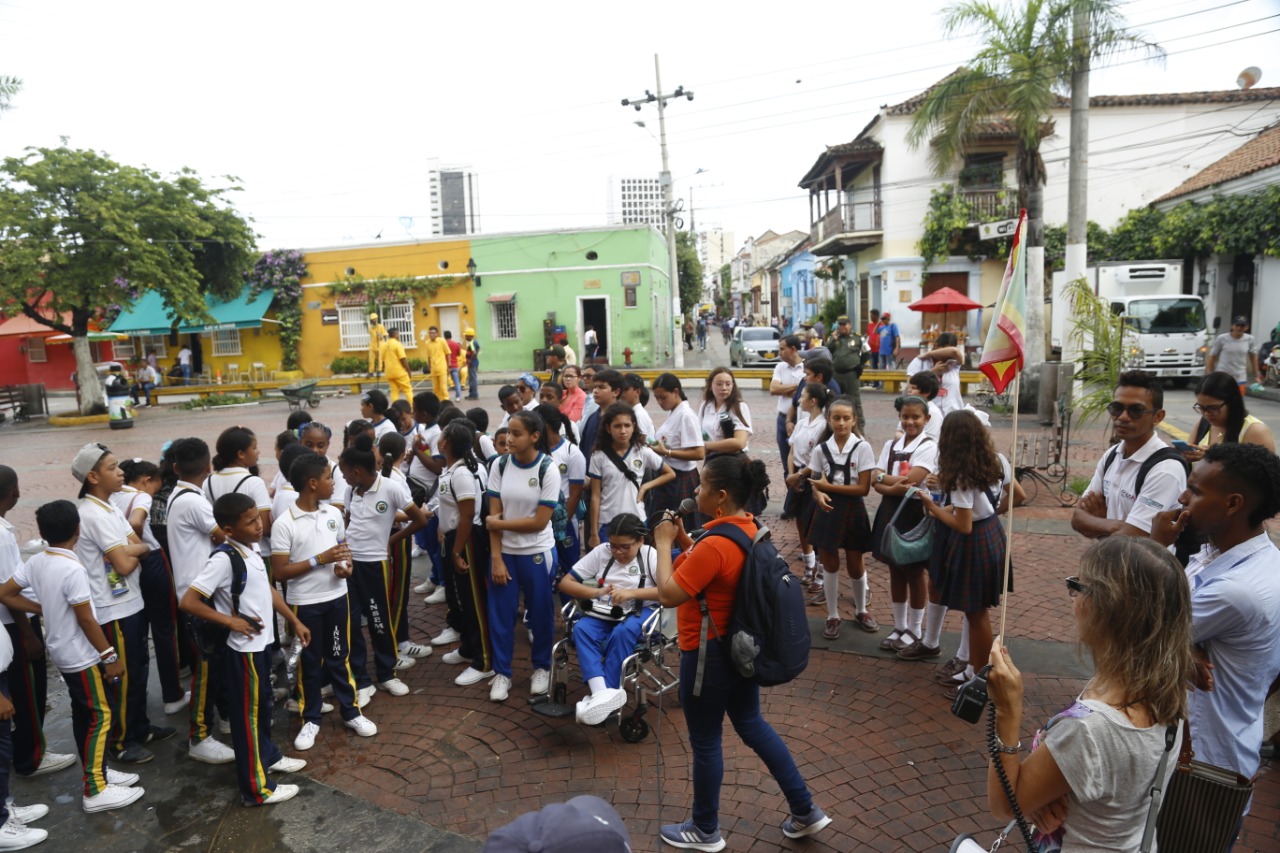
(330, 113)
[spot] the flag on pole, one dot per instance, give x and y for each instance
(1005, 347)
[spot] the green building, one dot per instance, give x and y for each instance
(612, 279)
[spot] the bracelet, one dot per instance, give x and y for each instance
(110, 651)
(1008, 750)
(110, 658)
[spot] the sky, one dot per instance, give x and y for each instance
(329, 114)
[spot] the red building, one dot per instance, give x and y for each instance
(31, 354)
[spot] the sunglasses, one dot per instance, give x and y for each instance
(1135, 410)
(1075, 588)
(1211, 409)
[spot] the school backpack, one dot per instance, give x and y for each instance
(768, 637)
(1188, 541)
(209, 637)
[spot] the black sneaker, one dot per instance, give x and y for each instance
(155, 733)
(132, 754)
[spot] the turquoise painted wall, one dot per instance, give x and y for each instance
(554, 272)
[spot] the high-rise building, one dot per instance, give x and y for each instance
(635, 201)
(715, 249)
(453, 201)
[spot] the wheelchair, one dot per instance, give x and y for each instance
(650, 671)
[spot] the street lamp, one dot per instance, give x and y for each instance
(471, 271)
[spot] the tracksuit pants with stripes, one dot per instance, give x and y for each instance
(248, 677)
(208, 689)
(468, 594)
(401, 555)
(368, 588)
(90, 724)
(28, 706)
(530, 574)
(160, 604)
(328, 653)
(129, 698)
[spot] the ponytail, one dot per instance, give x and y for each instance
(391, 446)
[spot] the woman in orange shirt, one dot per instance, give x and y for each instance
(573, 398)
(711, 568)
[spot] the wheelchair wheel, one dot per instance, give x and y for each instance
(633, 729)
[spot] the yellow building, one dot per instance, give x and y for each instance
(414, 285)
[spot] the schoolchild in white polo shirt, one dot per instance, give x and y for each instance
(77, 646)
(316, 437)
(309, 551)
(242, 606)
(617, 468)
(425, 465)
(372, 503)
(285, 497)
(235, 466)
(373, 408)
(192, 534)
(391, 456)
(678, 441)
(111, 553)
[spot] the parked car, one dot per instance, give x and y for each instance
(754, 345)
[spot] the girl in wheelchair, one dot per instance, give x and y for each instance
(615, 584)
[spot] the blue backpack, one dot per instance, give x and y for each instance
(768, 637)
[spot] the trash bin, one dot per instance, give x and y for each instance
(34, 399)
(119, 404)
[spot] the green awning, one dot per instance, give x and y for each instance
(150, 316)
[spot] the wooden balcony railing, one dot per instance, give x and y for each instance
(848, 218)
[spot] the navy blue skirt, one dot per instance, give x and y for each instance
(847, 527)
(967, 570)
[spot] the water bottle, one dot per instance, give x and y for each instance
(342, 540)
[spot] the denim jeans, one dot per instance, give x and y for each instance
(724, 692)
(455, 375)
(783, 440)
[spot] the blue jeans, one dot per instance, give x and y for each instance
(455, 374)
(473, 380)
(784, 441)
(724, 692)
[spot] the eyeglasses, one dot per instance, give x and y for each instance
(1075, 588)
(1211, 409)
(623, 547)
(1135, 410)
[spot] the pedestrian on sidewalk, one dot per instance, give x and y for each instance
(473, 363)
(455, 369)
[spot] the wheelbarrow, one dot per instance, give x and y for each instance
(299, 393)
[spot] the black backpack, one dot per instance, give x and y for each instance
(768, 637)
(1188, 541)
(211, 638)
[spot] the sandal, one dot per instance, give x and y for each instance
(866, 622)
(832, 631)
(890, 643)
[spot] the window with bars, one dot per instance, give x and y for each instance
(504, 321)
(353, 325)
(226, 342)
(138, 346)
(399, 316)
(36, 353)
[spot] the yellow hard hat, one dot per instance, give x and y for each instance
(373, 316)
(470, 333)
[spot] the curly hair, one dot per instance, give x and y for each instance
(967, 458)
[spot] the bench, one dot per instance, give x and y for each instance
(895, 380)
(1044, 458)
(259, 388)
(11, 397)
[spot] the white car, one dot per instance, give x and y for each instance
(754, 345)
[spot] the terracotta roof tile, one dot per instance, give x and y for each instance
(1261, 152)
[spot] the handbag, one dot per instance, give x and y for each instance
(1203, 807)
(912, 547)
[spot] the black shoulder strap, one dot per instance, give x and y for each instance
(1111, 457)
(179, 493)
(831, 461)
(239, 575)
(605, 573)
(1162, 455)
(613, 457)
(241, 483)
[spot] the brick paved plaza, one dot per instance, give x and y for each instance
(873, 735)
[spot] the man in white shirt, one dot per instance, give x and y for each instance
(1235, 352)
(787, 376)
(184, 362)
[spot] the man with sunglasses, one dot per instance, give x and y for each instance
(1115, 504)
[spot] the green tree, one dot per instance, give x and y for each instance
(689, 269)
(82, 236)
(9, 86)
(1014, 81)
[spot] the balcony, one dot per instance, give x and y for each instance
(991, 205)
(847, 228)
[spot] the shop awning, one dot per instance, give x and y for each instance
(150, 316)
(501, 297)
(92, 336)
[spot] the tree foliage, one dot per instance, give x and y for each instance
(1097, 333)
(689, 270)
(9, 86)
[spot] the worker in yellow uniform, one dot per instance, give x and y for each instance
(377, 337)
(438, 363)
(396, 365)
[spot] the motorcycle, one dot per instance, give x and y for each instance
(1271, 367)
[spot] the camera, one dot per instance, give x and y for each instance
(972, 697)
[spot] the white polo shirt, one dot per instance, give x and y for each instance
(487, 448)
(710, 420)
(372, 515)
(10, 559)
(857, 453)
(300, 536)
(457, 483)
(521, 495)
(787, 374)
(190, 520)
(978, 501)
(571, 464)
(1165, 483)
(103, 529)
(60, 583)
(418, 471)
(617, 493)
(128, 499)
(591, 570)
(681, 431)
(923, 453)
(214, 583)
(286, 496)
(644, 423)
(339, 486)
(383, 427)
(804, 438)
(230, 480)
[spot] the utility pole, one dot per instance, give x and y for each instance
(1078, 169)
(668, 201)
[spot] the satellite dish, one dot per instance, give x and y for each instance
(1249, 77)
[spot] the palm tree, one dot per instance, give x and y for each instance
(1015, 80)
(9, 86)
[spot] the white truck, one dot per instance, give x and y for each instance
(1167, 334)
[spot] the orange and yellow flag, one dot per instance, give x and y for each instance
(1005, 347)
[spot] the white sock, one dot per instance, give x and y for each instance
(899, 616)
(934, 616)
(968, 672)
(596, 684)
(917, 620)
(810, 559)
(860, 595)
(963, 651)
(831, 586)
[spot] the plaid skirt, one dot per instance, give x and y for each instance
(912, 514)
(670, 495)
(967, 570)
(845, 528)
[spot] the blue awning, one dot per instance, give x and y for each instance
(150, 316)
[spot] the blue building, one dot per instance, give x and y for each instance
(799, 287)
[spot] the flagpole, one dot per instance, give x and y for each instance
(1008, 537)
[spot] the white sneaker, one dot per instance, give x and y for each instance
(52, 762)
(445, 637)
(292, 707)
(602, 704)
(111, 797)
(211, 751)
(471, 675)
(454, 657)
(500, 689)
(364, 695)
(175, 707)
(424, 588)
(288, 765)
(403, 663)
(414, 650)
(362, 726)
(282, 793)
(307, 737)
(15, 835)
(415, 552)
(27, 814)
(117, 777)
(224, 727)
(436, 597)
(541, 682)
(531, 636)
(394, 686)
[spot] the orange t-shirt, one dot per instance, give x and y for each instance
(711, 566)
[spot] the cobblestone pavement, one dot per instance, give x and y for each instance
(873, 735)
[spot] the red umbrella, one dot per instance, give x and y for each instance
(944, 299)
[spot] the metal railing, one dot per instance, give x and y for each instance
(990, 205)
(848, 218)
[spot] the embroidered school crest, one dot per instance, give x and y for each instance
(537, 559)
(533, 481)
(563, 467)
(380, 506)
(633, 569)
(333, 524)
(636, 463)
